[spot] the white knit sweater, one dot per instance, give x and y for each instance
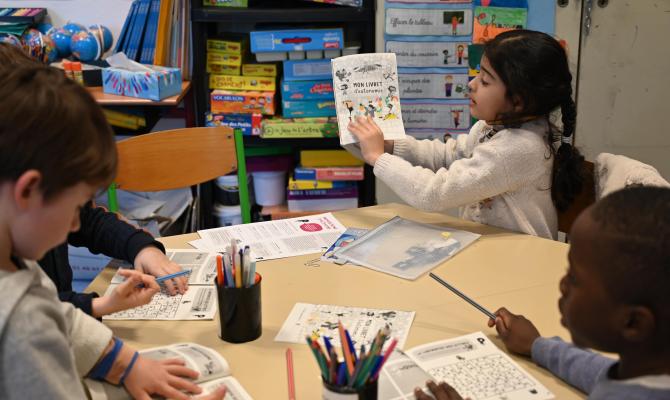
(502, 180)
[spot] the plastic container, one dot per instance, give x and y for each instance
(228, 215)
(227, 190)
(270, 187)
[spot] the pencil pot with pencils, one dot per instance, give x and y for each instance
(240, 312)
(333, 392)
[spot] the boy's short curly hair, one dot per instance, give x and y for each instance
(51, 124)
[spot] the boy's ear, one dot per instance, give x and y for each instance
(27, 188)
(640, 324)
(517, 104)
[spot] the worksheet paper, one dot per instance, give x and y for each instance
(202, 265)
(362, 323)
(276, 239)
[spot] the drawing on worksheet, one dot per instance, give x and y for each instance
(202, 265)
(198, 303)
(362, 323)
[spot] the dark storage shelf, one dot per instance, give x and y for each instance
(281, 15)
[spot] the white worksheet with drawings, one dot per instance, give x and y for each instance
(201, 263)
(198, 303)
(477, 369)
(276, 239)
(362, 323)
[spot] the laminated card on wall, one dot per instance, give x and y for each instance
(367, 85)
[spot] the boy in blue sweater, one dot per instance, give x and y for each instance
(615, 298)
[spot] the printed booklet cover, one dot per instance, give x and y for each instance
(367, 85)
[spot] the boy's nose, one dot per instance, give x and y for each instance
(562, 286)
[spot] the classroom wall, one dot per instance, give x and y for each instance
(111, 13)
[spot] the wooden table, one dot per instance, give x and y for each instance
(502, 268)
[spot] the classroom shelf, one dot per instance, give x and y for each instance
(281, 212)
(286, 15)
(310, 143)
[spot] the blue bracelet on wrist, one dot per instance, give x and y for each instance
(103, 367)
(128, 368)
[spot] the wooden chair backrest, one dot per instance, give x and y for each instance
(582, 201)
(175, 159)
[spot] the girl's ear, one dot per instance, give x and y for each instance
(639, 324)
(517, 104)
(27, 189)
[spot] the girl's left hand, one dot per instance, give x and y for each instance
(151, 260)
(370, 138)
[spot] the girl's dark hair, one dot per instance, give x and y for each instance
(534, 68)
(51, 124)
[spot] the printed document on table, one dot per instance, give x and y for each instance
(362, 323)
(201, 263)
(278, 239)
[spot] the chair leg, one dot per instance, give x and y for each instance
(112, 200)
(243, 185)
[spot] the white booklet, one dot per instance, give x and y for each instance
(362, 323)
(473, 365)
(276, 239)
(406, 248)
(213, 368)
(367, 85)
(201, 263)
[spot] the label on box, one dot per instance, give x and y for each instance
(307, 70)
(296, 40)
(299, 127)
(226, 101)
(223, 69)
(435, 115)
(250, 124)
(433, 86)
(307, 90)
(234, 60)
(259, 70)
(232, 82)
(225, 46)
(413, 21)
(429, 54)
(310, 108)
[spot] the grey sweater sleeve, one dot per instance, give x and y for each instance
(578, 367)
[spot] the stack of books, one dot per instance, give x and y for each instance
(326, 181)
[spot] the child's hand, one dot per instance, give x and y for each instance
(167, 378)
(370, 138)
(218, 394)
(151, 260)
(127, 294)
(440, 392)
(516, 331)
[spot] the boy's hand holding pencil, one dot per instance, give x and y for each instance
(137, 290)
(517, 332)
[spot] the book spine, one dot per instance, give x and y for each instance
(339, 193)
(339, 174)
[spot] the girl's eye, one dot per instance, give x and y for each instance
(484, 83)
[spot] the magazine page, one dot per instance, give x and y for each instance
(406, 248)
(477, 369)
(201, 263)
(367, 85)
(400, 376)
(235, 390)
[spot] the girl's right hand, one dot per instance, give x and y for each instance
(167, 378)
(516, 331)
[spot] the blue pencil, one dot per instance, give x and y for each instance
(163, 278)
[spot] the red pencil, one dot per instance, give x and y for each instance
(219, 270)
(289, 374)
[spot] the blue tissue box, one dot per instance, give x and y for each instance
(307, 90)
(296, 40)
(161, 83)
(307, 70)
(308, 109)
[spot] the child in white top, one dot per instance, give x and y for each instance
(506, 171)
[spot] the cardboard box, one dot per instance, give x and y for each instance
(250, 124)
(161, 83)
(228, 101)
(234, 60)
(296, 40)
(284, 128)
(230, 82)
(308, 108)
(307, 90)
(307, 70)
(226, 3)
(269, 70)
(230, 46)
(222, 69)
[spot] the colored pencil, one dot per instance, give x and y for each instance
(463, 296)
(290, 374)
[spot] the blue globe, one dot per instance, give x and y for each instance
(103, 34)
(61, 39)
(33, 43)
(85, 46)
(74, 27)
(10, 39)
(45, 28)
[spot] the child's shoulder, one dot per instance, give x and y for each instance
(530, 134)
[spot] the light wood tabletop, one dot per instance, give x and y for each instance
(502, 268)
(105, 99)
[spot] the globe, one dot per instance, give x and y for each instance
(103, 34)
(61, 39)
(85, 46)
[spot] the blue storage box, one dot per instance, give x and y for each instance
(296, 40)
(307, 90)
(307, 70)
(158, 84)
(308, 109)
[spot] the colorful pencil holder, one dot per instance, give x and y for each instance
(240, 312)
(333, 392)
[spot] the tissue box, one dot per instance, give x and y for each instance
(296, 40)
(162, 82)
(242, 102)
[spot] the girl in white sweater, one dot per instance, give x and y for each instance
(506, 172)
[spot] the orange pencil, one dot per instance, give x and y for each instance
(345, 349)
(219, 270)
(290, 374)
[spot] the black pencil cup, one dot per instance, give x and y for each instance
(367, 392)
(240, 312)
